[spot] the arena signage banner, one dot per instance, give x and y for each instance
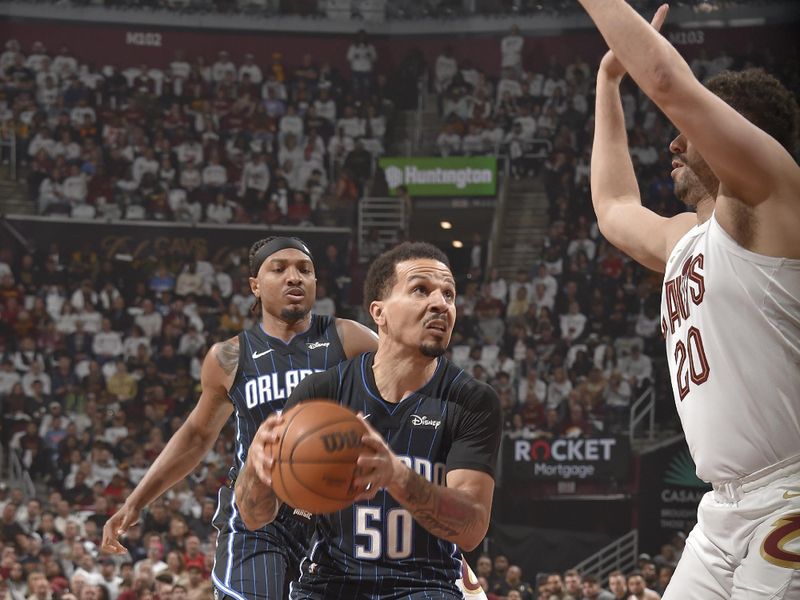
(567, 459)
(669, 492)
(439, 176)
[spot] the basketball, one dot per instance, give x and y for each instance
(315, 457)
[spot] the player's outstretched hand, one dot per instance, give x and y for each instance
(377, 464)
(119, 523)
(610, 65)
(259, 456)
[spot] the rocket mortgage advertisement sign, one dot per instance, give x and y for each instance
(440, 176)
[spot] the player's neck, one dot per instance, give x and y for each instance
(284, 330)
(705, 208)
(400, 372)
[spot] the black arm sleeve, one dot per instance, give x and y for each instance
(478, 431)
(317, 386)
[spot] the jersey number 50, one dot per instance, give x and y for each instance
(398, 528)
(691, 361)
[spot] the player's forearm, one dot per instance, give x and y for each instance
(649, 58)
(450, 514)
(257, 503)
(612, 176)
(180, 456)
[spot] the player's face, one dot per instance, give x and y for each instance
(421, 309)
(694, 179)
(286, 285)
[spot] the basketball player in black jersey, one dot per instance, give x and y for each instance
(429, 423)
(251, 376)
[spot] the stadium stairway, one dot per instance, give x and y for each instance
(524, 225)
(14, 198)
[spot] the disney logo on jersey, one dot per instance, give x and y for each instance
(424, 421)
(315, 345)
(341, 440)
(681, 292)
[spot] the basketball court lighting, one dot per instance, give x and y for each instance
(445, 224)
(458, 244)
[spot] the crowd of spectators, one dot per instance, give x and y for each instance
(503, 580)
(258, 141)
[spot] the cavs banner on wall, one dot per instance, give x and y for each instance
(567, 459)
(439, 176)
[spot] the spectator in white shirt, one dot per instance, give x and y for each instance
(191, 342)
(78, 114)
(445, 69)
(74, 187)
(219, 211)
(350, 123)
(249, 67)
(36, 373)
(43, 140)
(362, 57)
(215, 175)
(532, 383)
(638, 368)
(67, 148)
(573, 323)
(146, 163)
(508, 84)
(107, 344)
(149, 320)
(222, 68)
(65, 64)
(291, 123)
(559, 388)
(511, 50)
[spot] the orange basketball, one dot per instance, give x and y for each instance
(315, 457)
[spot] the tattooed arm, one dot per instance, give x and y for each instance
(458, 513)
(187, 447)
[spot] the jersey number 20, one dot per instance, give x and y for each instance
(691, 361)
(398, 527)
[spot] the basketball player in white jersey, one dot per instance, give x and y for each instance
(731, 297)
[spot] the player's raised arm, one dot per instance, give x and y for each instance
(750, 164)
(187, 447)
(639, 232)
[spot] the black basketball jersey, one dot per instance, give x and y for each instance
(256, 565)
(375, 548)
(270, 369)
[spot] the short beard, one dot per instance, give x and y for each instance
(432, 350)
(293, 315)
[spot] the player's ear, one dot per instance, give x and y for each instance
(254, 286)
(376, 312)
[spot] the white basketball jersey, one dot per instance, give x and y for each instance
(731, 319)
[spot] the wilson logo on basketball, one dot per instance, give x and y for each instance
(341, 440)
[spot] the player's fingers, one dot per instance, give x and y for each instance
(372, 441)
(660, 17)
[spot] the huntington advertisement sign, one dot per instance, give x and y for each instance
(567, 459)
(452, 176)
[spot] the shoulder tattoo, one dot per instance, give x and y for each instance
(227, 354)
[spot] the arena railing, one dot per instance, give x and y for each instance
(18, 475)
(643, 408)
(619, 555)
